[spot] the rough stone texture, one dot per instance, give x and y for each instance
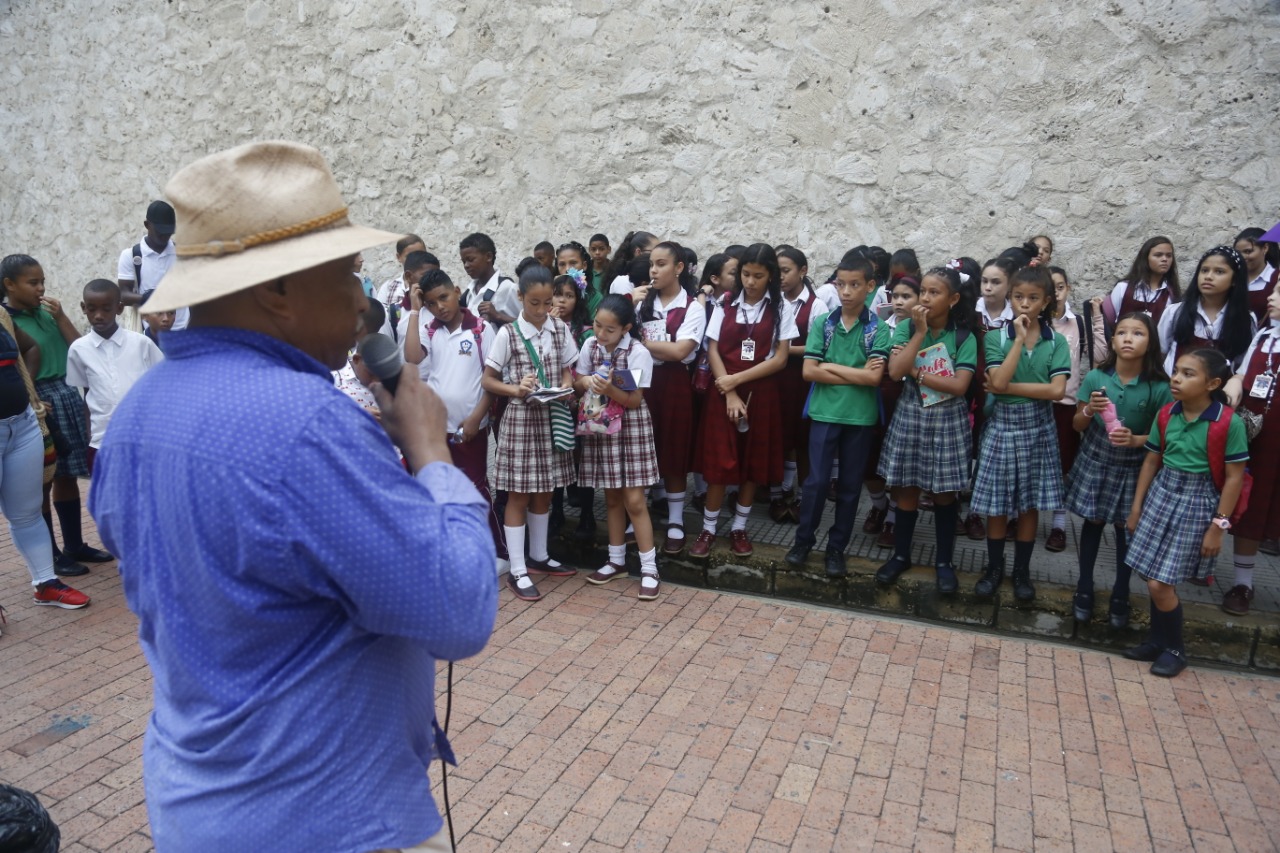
(950, 127)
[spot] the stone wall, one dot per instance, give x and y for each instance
(952, 127)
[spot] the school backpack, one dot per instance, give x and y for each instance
(474, 325)
(828, 334)
(1217, 447)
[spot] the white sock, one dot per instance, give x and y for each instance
(618, 554)
(878, 499)
(649, 561)
(740, 514)
(699, 484)
(709, 519)
(538, 536)
(788, 476)
(1244, 570)
(775, 492)
(1059, 519)
(892, 514)
(515, 547)
(675, 512)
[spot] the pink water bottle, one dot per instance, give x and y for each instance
(1109, 418)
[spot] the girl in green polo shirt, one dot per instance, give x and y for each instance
(1019, 470)
(1117, 405)
(1187, 492)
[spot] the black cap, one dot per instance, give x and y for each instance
(160, 215)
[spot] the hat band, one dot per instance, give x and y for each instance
(216, 248)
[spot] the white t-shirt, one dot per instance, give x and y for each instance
(542, 341)
(692, 327)
(390, 294)
(107, 368)
(501, 292)
(638, 358)
(1204, 328)
(154, 267)
(750, 314)
(452, 366)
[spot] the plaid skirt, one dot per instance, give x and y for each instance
(927, 448)
(1103, 479)
(1018, 466)
(526, 461)
(1175, 515)
(670, 402)
(67, 417)
(624, 460)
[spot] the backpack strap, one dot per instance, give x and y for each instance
(1217, 446)
(1162, 420)
(1084, 344)
(137, 267)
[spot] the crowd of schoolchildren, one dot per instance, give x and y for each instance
(642, 372)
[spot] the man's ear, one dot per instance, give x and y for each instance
(271, 296)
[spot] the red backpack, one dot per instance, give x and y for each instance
(1217, 441)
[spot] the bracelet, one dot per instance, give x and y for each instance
(1220, 515)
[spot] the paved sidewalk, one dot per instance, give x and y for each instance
(713, 721)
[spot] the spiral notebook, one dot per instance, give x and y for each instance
(935, 360)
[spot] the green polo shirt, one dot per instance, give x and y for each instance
(1188, 441)
(855, 405)
(1050, 357)
(595, 292)
(1137, 402)
(963, 357)
(41, 326)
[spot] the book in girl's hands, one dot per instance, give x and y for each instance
(935, 360)
(547, 395)
(626, 379)
(654, 331)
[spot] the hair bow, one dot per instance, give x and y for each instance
(579, 279)
(954, 264)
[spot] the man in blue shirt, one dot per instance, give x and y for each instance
(293, 584)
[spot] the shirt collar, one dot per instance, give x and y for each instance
(492, 281)
(1263, 278)
(1046, 331)
(1067, 313)
(470, 323)
(528, 329)
(168, 250)
(218, 341)
(680, 300)
(98, 340)
(805, 296)
(1212, 413)
(1006, 314)
(737, 303)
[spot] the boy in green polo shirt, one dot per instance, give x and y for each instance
(844, 410)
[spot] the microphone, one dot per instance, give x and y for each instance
(382, 356)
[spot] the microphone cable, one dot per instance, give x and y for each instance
(444, 766)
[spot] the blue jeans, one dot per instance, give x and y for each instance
(827, 441)
(21, 490)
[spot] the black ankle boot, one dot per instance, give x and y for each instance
(1082, 605)
(991, 579)
(1118, 616)
(947, 583)
(1022, 588)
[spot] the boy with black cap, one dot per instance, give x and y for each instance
(143, 265)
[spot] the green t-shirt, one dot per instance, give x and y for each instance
(1189, 440)
(1136, 402)
(963, 357)
(1050, 357)
(855, 405)
(41, 326)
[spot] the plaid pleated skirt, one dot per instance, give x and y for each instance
(67, 417)
(526, 461)
(928, 448)
(1175, 515)
(1018, 466)
(624, 460)
(1103, 479)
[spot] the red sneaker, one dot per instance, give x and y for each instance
(740, 543)
(55, 593)
(701, 546)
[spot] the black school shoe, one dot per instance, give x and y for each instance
(947, 582)
(1082, 606)
(1169, 664)
(529, 593)
(1022, 588)
(890, 571)
(798, 555)
(990, 581)
(1119, 612)
(89, 554)
(835, 564)
(64, 566)
(1147, 652)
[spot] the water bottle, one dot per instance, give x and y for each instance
(1110, 420)
(603, 371)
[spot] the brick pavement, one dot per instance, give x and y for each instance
(714, 721)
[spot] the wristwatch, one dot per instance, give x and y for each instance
(1222, 521)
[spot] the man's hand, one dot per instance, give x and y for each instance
(415, 419)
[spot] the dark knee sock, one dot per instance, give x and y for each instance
(69, 520)
(1123, 571)
(557, 500)
(944, 520)
(48, 522)
(995, 552)
(904, 530)
(1022, 555)
(1090, 542)
(1157, 634)
(1173, 629)
(588, 498)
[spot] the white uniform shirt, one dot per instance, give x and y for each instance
(750, 314)
(503, 297)
(154, 267)
(1141, 293)
(692, 327)
(1204, 328)
(1268, 338)
(108, 367)
(1263, 279)
(1004, 319)
(638, 358)
(829, 296)
(542, 342)
(452, 366)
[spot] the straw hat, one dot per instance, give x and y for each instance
(253, 214)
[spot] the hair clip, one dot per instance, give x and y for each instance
(1233, 257)
(579, 279)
